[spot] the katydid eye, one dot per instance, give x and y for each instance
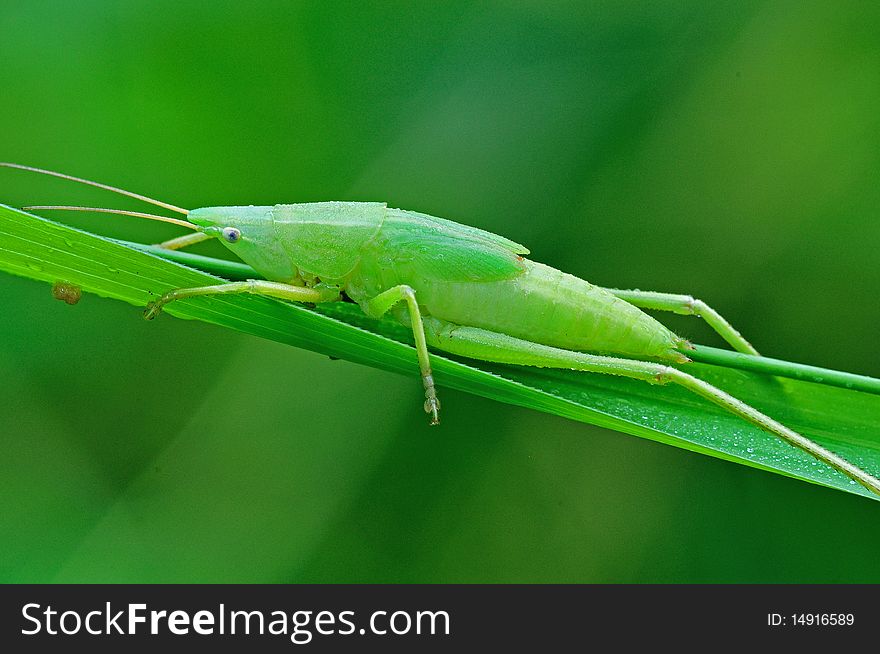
(231, 234)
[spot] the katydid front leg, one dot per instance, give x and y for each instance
(256, 286)
(184, 241)
(378, 307)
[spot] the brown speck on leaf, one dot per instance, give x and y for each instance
(66, 292)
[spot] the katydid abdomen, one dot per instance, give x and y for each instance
(542, 304)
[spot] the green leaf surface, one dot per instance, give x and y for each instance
(842, 419)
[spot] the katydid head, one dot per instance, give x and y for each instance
(313, 240)
(249, 232)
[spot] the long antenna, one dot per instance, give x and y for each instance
(136, 196)
(121, 212)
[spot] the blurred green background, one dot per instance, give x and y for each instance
(729, 150)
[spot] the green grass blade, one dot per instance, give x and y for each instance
(842, 419)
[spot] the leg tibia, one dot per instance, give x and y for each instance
(757, 418)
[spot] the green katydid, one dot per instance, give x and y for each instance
(461, 290)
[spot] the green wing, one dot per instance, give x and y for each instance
(445, 250)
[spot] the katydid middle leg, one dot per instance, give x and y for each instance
(379, 306)
(493, 346)
(688, 306)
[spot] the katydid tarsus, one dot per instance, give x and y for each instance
(461, 290)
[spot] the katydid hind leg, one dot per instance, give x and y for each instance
(254, 286)
(379, 306)
(491, 346)
(687, 305)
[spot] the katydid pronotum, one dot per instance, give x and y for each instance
(461, 290)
